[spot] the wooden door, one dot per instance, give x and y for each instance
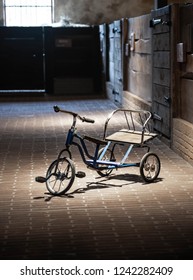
(161, 74)
(118, 71)
(104, 48)
(115, 61)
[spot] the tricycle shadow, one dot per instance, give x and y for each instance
(104, 183)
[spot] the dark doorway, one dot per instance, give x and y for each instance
(63, 60)
(22, 58)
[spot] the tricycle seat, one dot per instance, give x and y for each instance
(132, 127)
(131, 137)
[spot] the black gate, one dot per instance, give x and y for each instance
(21, 56)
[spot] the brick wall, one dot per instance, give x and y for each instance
(183, 139)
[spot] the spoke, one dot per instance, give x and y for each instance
(60, 185)
(54, 185)
(149, 173)
(59, 168)
(52, 180)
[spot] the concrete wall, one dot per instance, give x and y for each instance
(183, 139)
(99, 11)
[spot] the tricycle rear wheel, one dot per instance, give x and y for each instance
(150, 167)
(109, 156)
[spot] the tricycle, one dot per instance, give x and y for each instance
(136, 133)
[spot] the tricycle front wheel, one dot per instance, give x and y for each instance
(61, 175)
(150, 167)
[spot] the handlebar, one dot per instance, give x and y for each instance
(75, 115)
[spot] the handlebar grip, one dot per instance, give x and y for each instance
(56, 109)
(88, 120)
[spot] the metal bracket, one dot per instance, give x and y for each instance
(153, 22)
(167, 99)
(157, 117)
(116, 30)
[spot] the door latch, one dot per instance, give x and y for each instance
(167, 99)
(157, 117)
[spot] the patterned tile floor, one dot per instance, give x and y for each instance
(115, 218)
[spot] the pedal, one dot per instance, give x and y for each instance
(80, 174)
(40, 179)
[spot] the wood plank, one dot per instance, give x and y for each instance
(140, 25)
(187, 100)
(143, 46)
(161, 77)
(140, 84)
(189, 63)
(140, 63)
(186, 128)
(159, 92)
(164, 125)
(111, 71)
(161, 42)
(111, 50)
(161, 59)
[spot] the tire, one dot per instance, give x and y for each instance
(108, 157)
(62, 178)
(150, 167)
